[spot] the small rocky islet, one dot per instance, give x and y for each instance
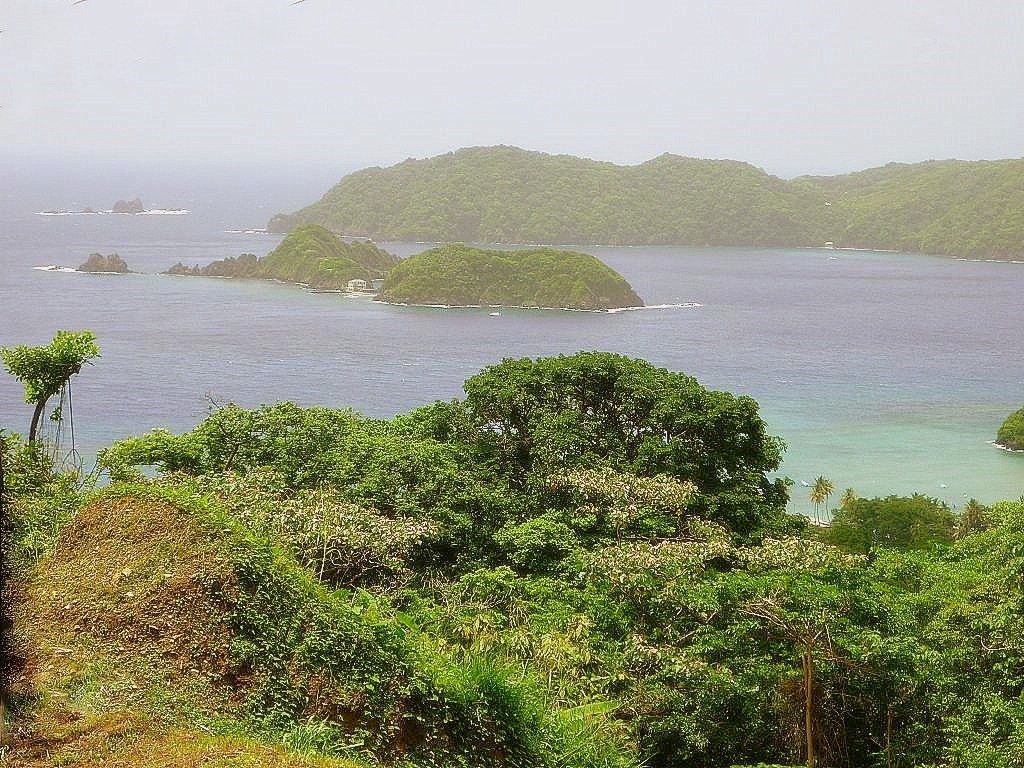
(110, 263)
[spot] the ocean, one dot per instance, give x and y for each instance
(886, 372)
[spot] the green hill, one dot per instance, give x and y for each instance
(948, 207)
(509, 195)
(309, 255)
(160, 631)
(459, 275)
(1011, 433)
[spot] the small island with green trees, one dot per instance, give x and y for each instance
(460, 275)
(101, 263)
(310, 255)
(1011, 433)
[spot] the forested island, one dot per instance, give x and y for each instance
(459, 275)
(309, 255)
(509, 195)
(585, 561)
(1011, 432)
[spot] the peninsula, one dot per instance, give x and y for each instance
(459, 275)
(309, 255)
(509, 195)
(1011, 433)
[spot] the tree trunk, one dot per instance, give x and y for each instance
(36, 416)
(809, 702)
(888, 737)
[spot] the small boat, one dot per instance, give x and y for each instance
(494, 314)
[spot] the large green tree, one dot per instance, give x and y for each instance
(906, 522)
(46, 369)
(536, 417)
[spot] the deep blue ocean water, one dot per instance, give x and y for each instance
(886, 372)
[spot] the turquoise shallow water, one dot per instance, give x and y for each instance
(886, 372)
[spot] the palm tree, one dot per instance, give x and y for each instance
(817, 496)
(846, 500)
(827, 488)
(821, 491)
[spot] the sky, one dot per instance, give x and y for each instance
(793, 87)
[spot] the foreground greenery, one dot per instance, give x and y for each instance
(1011, 432)
(583, 562)
(309, 255)
(508, 195)
(541, 277)
(46, 370)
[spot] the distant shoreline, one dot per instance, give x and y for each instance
(609, 311)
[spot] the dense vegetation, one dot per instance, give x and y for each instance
(948, 207)
(540, 277)
(246, 265)
(917, 522)
(1011, 432)
(99, 262)
(508, 195)
(583, 562)
(309, 255)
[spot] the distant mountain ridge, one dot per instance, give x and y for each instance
(509, 195)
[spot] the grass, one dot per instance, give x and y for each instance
(127, 740)
(157, 630)
(124, 647)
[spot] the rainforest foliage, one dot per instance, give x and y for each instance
(509, 195)
(1011, 432)
(309, 255)
(585, 561)
(540, 277)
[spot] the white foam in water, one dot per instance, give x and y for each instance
(684, 305)
(153, 212)
(1005, 447)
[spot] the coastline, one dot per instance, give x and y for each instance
(606, 311)
(1003, 447)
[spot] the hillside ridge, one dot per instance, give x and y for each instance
(505, 194)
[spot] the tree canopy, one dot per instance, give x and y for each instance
(45, 369)
(309, 255)
(1011, 431)
(509, 195)
(907, 522)
(540, 277)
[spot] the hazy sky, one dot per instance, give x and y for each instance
(790, 86)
